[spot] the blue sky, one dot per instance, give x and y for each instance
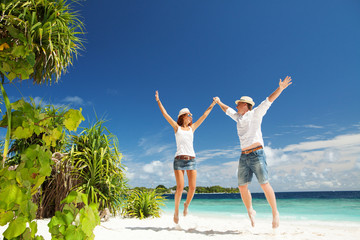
(192, 51)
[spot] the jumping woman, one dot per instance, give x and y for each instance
(184, 159)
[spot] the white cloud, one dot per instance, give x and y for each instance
(153, 167)
(153, 145)
(312, 126)
(39, 100)
(350, 140)
(306, 166)
(230, 153)
(73, 100)
(307, 126)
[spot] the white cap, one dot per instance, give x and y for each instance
(183, 111)
(245, 99)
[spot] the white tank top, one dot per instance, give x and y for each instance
(184, 142)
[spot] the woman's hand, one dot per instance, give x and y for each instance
(157, 96)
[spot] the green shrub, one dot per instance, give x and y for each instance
(143, 204)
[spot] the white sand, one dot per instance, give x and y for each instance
(204, 227)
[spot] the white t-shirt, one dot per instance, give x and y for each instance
(184, 142)
(249, 124)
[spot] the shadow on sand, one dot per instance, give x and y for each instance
(190, 230)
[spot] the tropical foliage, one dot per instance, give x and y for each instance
(97, 166)
(143, 204)
(38, 39)
(72, 222)
(19, 184)
(19, 145)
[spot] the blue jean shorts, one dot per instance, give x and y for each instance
(180, 164)
(254, 162)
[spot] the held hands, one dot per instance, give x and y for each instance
(216, 100)
(284, 84)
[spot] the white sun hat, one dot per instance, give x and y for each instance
(245, 99)
(183, 111)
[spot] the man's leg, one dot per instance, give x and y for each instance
(247, 200)
(270, 197)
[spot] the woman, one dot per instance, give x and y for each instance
(185, 156)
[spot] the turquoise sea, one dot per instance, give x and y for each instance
(323, 206)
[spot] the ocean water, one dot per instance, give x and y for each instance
(323, 206)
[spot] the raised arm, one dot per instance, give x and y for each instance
(164, 113)
(195, 125)
(282, 86)
(223, 106)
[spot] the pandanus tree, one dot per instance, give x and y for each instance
(38, 41)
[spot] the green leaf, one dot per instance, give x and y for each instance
(84, 198)
(73, 233)
(6, 217)
(18, 51)
(40, 181)
(68, 218)
(35, 26)
(6, 67)
(33, 226)
(18, 104)
(22, 133)
(11, 76)
(31, 60)
(45, 170)
(13, 31)
(71, 197)
(89, 220)
(31, 153)
(56, 220)
(26, 235)
(16, 228)
(73, 118)
(12, 194)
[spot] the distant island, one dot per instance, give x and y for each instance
(199, 189)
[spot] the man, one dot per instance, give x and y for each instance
(253, 159)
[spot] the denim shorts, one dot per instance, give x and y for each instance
(180, 164)
(254, 162)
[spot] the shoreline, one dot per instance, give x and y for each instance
(195, 227)
(286, 192)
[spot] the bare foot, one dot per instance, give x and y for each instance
(276, 220)
(176, 219)
(185, 209)
(252, 214)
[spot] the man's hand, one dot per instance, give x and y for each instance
(284, 84)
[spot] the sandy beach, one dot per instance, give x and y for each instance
(205, 227)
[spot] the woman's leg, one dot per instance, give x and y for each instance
(179, 177)
(192, 186)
